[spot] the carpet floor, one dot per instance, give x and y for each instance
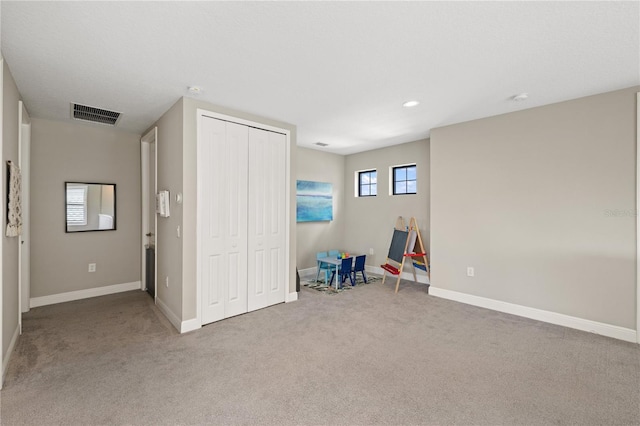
(367, 357)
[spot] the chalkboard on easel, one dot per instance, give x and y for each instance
(398, 244)
(405, 244)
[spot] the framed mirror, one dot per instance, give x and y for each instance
(89, 206)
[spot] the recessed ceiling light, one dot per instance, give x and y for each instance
(322, 144)
(195, 90)
(410, 104)
(521, 97)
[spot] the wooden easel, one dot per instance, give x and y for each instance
(406, 243)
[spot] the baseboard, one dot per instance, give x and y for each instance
(181, 326)
(7, 356)
(34, 302)
(173, 318)
(190, 325)
(600, 328)
(291, 297)
(307, 272)
(422, 278)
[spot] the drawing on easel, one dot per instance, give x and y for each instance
(314, 201)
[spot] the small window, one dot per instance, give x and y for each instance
(404, 180)
(368, 183)
(77, 205)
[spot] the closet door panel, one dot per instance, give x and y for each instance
(213, 302)
(224, 215)
(213, 256)
(277, 216)
(258, 269)
(276, 278)
(234, 207)
(266, 218)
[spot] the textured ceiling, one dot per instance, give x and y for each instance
(340, 71)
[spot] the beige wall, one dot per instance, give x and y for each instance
(168, 246)
(542, 203)
(312, 237)
(62, 151)
(10, 245)
(362, 223)
(370, 220)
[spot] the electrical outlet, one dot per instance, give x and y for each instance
(470, 271)
(166, 281)
(92, 267)
(371, 250)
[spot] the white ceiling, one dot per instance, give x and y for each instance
(340, 71)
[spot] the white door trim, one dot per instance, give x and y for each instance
(205, 113)
(24, 148)
(2, 182)
(151, 137)
(638, 217)
(144, 181)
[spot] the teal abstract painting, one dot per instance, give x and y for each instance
(314, 201)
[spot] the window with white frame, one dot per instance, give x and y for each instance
(404, 179)
(367, 183)
(77, 205)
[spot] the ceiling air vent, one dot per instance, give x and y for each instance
(95, 115)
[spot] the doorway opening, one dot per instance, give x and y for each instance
(149, 164)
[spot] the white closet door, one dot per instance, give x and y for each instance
(267, 242)
(224, 217)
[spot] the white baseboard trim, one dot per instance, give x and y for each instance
(7, 356)
(422, 278)
(173, 318)
(190, 325)
(181, 326)
(603, 329)
(69, 296)
(307, 272)
(291, 297)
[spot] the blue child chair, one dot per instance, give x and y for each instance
(360, 267)
(345, 272)
(322, 266)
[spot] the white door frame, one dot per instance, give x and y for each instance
(24, 240)
(638, 217)
(199, 196)
(145, 143)
(2, 182)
